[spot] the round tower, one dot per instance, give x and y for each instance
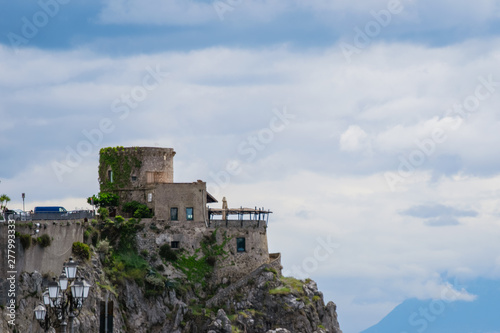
(129, 171)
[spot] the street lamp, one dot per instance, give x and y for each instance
(70, 268)
(53, 289)
(46, 298)
(63, 281)
(60, 301)
(40, 312)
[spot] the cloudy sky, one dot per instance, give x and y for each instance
(370, 127)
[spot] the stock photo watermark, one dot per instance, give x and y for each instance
(364, 36)
(222, 7)
(11, 273)
(249, 148)
(121, 106)
(425, 148)
(324, 249)
(31, 26)
(425, 315)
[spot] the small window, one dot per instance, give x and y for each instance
(189, 213)
(150, 197)
(174, 245)
(110, 176)
(174, 214)
(240, 245)
(134, 178)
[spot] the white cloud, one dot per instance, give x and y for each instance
(354, 139)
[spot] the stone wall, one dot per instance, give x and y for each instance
(190, 234)
(46, 260)
(49, 260)
(181, 196)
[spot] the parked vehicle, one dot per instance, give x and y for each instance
(50, 213)
(50, 209)
(16, 214)
(59, 213)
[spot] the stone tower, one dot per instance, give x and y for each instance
(133, 172)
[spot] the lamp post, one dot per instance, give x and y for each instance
(61, 302)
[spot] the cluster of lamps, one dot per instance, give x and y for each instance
(63, 298)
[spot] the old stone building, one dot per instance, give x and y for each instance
(145, 175)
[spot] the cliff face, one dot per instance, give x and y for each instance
(154, 295)
(266, 303)
(270, 302)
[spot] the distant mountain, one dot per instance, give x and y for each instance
(440, 316)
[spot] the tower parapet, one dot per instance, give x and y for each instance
(135, 167)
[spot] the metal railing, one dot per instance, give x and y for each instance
(72, 215)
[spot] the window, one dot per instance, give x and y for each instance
(110, 176)
(174, 245)
(174, 214)
(134, 178)
(240, 244)
(189, 213)
(150, 197)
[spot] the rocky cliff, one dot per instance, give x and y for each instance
(153, 295)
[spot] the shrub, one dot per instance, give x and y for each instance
(130, 266)
(81, 250)
(156, 281)
(131, 207)
(103, 213)
(119, 219)
(103, 246)
(137, 209)
(95, 238)
(25, 240)
(104, 199)
(44, 240)
(86, 235)
(167, 253)
(91, 235)
(143, 212)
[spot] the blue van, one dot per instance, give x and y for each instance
(50, 209)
